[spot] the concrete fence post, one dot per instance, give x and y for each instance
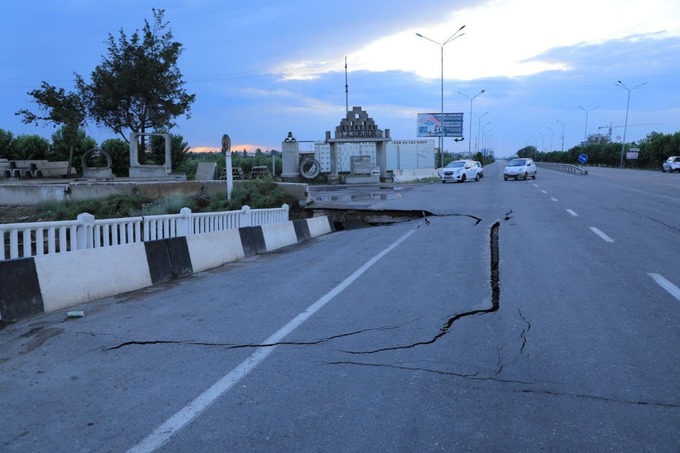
(245, 216)
(185, 223)
(84, 231)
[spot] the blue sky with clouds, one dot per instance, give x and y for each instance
(262, 68)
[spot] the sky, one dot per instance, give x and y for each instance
(260, 69)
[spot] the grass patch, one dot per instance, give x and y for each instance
(258, 194)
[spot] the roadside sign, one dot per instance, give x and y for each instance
(583, 158)
(440, 124)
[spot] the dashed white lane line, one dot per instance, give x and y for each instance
(553, 199)
(544, 191)
(665, 284)
(572, 212)
(192, 410)
(603, 236)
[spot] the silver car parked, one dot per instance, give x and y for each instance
(520, 168)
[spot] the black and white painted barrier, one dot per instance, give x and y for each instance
(47, 283)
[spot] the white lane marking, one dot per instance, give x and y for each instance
(544, 191)
(601, 234)
(553, 199)
(572, 212)
(535, 185)
(192, 410)
(665, 284)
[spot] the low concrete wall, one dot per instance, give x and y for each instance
(33, 193)
(54, 282)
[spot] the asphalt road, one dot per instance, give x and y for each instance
(537, 315)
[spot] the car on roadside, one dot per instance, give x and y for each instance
(671, 164)
(522, 167)
(460, 171)
(480, 167)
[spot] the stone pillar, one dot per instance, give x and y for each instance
(381, 159)
(290, 158)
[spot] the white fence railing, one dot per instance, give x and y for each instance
(22, 240)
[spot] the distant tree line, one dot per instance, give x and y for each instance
(654, 149)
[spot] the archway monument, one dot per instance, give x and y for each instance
(356, 127)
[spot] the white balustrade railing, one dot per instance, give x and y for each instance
(22, 240)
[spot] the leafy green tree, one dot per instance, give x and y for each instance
(62, 109)
(138, 86)
(30, 147)
(119, 151)
(65, 147)
(179, 150)
(6, 144)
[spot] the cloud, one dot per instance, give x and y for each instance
(503, 38)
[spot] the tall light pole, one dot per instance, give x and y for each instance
(620, 84)
(562, 133)
(479, 124)
(441, 47)
(470, 121)
(485, 134)
(585, 133)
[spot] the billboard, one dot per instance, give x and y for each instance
(440, 124)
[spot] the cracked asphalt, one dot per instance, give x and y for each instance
(490, 321)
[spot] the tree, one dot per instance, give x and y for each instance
(6, 144)
(62, 109)
(64, 146)
(30, 147)
(138, 86)
(119, 151)
(179, 150)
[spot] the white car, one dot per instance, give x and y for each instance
(671, 164)
(520, 168)
(481, 168)
(460, 171)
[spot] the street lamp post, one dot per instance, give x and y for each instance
(470, 121)
(479, 124)
(441, 47)
(620, 84)
(585, 133)
(562, 133)
(485, 134)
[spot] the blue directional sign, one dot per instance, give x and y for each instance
(583, 158)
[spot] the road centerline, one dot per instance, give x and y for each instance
(665, 284)
(602, 236)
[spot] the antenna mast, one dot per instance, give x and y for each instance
(346, 89)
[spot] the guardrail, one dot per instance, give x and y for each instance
(23, 240)
(566, 168)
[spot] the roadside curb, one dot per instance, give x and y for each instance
(43, 284)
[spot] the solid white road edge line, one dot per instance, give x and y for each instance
(665, 284)
(192, 410)
(601, 234)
